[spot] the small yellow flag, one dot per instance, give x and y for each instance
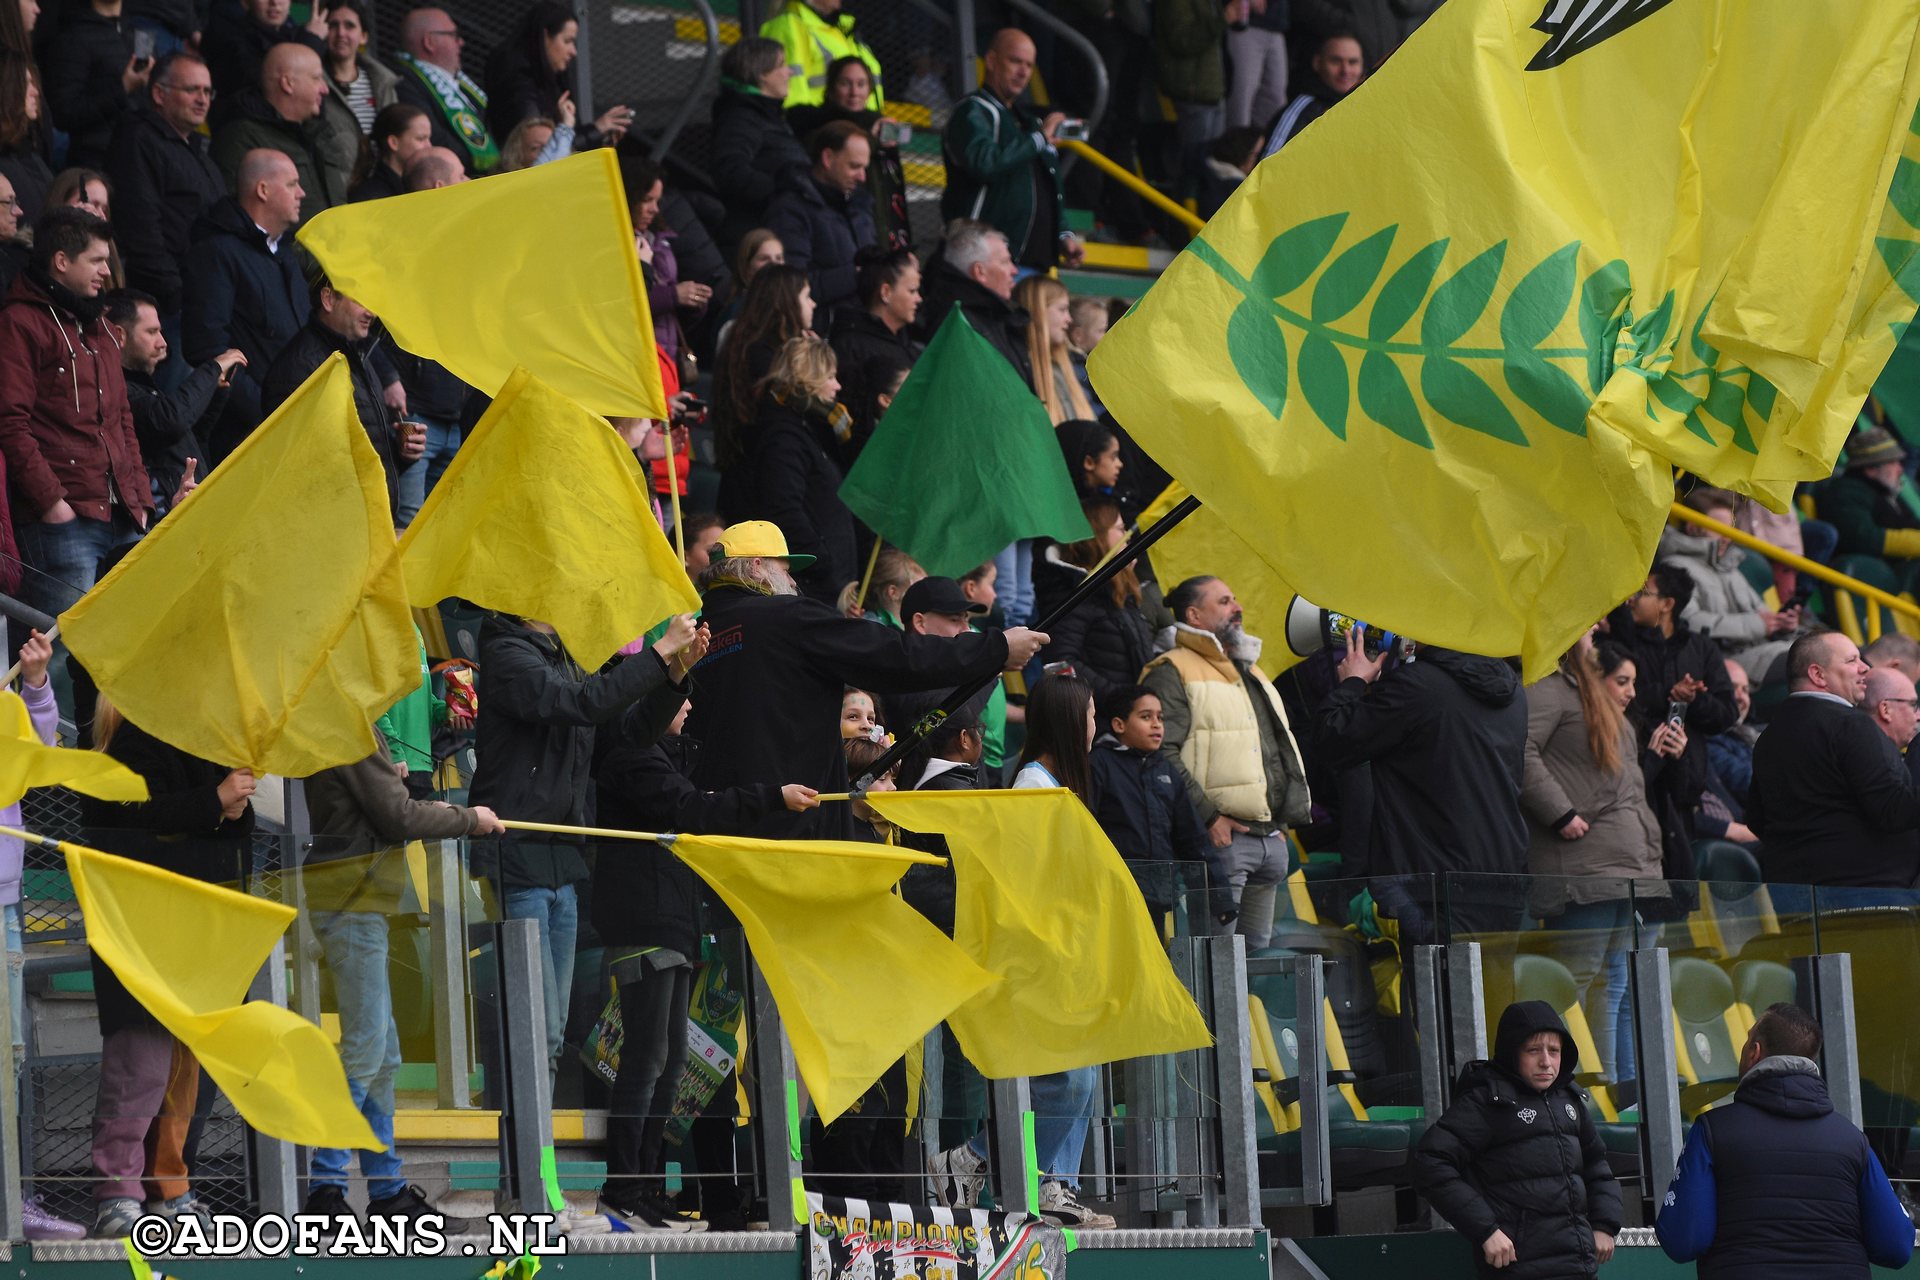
(26, 762)
(858, 974)
(533, 268)
(192, 974)
(264, 623)
(1436, 364)
(1046, 903)
(542, 515)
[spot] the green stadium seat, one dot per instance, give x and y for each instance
(1709, 1028)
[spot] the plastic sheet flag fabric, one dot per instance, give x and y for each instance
(264, 622)
(859, 975)
(533, 268)
(27, 762)
(192, 973)
(542, 515)
(964, 462)
(1046, 903)
(1437, 365)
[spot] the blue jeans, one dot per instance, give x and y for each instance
(1014, 585)
(355, 943)
(63, 561)
(1598, 963)
(419, 477)
(1062, 1111)
(558, 913)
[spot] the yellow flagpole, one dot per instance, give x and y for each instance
(866, 579)
(673, 495)
(878, 854)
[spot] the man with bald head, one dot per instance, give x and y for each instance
(244, 286)
(288, 113)
(436, 167)
(1002, 165)
(431, 79)
(1832, 801)
(1892, 704)
(238, 39)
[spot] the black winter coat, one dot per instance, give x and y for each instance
(81, 68)
(933, 891)
(1659, 662)
(766, 706)
(1147, 814)
(822, 231)
(1107, 643)
(162, 183)
(790, 477)
(643, 896)
(993, 317)
(1506, 1157)
(179, 827)
(236, 45)
(860, 339)
(311, 348)
(26, 168)
(535, 744)
(172, 426)
(239, 294)
(1831, 800)
(752, 156)
(381, 181)
(1446, 736)
(182, 17)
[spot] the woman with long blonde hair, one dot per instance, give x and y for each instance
(1049, 308)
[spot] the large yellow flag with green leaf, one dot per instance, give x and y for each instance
(264, 622)
(1436, 359)
(542, 515)
(1046, 903)
(188, 952)
(535, 268)
(859, 975)
(27, 762)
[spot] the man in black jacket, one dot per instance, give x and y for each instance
(1831, 800)
(170, 425)
(339, 324)
(976, 272)
(91, 76)
(535, 752)
(164, 178)
(237, 40)
(826, 221)
(1446, 736)
(244, 286)
(1776, 1183)
(768, 701)
(1516, 1165)
(1338, 67)
(646, 911)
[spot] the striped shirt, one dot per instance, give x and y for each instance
(359, 95)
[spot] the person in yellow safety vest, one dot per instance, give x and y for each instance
(814, 33)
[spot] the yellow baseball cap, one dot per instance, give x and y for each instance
(760, 538)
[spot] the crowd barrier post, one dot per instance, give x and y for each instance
(776, 1104)
(1832, 988)
(1233, 1064)
(1193, 1153)
(1430, 1031)
(1466, 1007)
(1306, 974)
(1148, 1130)
(275, 1163)
(10, 1225)
(526, 1115)
(1008, 1102)
(447, 972)
(1659, 1071)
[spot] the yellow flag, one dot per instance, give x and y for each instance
(1046, 903)
(1436, 359)
(541, 514)
(26, 762)
(534, 268)
(1203, 545)
(192, 974)
(264, 623)
(858, 974)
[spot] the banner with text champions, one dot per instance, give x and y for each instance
(858, 1240)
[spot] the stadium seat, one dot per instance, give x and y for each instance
(1760, 984)
(1709, 1027)
(1735, 907)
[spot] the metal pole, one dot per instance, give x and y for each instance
(1146, 1137)
(447, 969)
(10, 1225)
(1191, 1153)
(1833, 996)
(1659, 1070)
(691, 101)
(967, 39)
(1430, 1030)
(1316, 1132)
(275, 1163)
(1008, 1101)
(583, 68)
(526, 1118)
(773, 1074)
(1233, 1065)
(1466, 1003)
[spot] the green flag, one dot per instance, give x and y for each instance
(964, 462)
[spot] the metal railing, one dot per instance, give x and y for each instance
(1138, 185)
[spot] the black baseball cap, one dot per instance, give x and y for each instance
(936, 595)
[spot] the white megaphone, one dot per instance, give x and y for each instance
(1311, 629)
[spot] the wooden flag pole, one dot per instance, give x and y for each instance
(879, 853)
(866, 579)
(673, 490)
(13, 672)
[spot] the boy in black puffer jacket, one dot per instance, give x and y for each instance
(1515, 1163)
(1143, 808)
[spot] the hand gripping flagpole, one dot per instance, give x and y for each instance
(961, 696)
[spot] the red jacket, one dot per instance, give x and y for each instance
(65, 427)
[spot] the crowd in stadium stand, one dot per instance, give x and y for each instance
(155, 163)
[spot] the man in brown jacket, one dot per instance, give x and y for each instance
(353, 875)
(76, 487)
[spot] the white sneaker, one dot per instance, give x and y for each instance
(1060, 1204)
(958, 1177)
